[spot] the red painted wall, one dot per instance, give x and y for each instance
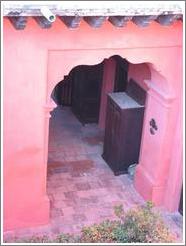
(140, 73)
(107, 87)
(36, 59)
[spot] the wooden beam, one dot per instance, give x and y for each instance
(143, 21)
(95, 21)
(42, 22)
(167, 20)
(71, 21)
(119, 21)
(19, 22)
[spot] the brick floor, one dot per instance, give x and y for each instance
(81, 187)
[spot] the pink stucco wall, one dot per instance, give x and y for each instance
(107, 87)
(36, 59)
(140, 73)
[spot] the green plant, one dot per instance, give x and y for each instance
(138, 225)
(99, 233)
(119, 211)
(67, 238)
(141, 224)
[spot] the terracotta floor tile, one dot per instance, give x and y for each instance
(82, 188)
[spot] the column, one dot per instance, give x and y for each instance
(107, 87)
(156, 146)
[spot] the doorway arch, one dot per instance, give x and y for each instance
(60, 63)
(156, 150)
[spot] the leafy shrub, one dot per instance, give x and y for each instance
(138, 225)
(99, 233)
(61, 238)
(141, 224)
(119, 211)
(67, 238)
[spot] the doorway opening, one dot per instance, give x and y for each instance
(81, 186)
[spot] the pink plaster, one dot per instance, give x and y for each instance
(175, 180)
(140, 73)
(36, 59)
(107, 87)
(155, 156)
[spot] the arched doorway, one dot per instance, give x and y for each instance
(57, 51)
(142, 74)
(150, 179)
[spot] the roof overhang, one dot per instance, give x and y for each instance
(93, 8)
(71, 13)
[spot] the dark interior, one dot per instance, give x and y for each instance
(81, 91)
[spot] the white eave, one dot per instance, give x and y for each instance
(93, 8)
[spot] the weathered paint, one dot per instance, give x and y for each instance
(36, 59)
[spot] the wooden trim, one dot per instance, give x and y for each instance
(43, 22)
(143, 21)
(19, 23)
(71, 21)
(119, 21)
(95, 21)
(167, 20)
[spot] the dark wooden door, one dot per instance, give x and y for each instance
(108, 134)
(123, 128)
(86, 93)
(115, 134)
(121, 74)
(181, 202)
